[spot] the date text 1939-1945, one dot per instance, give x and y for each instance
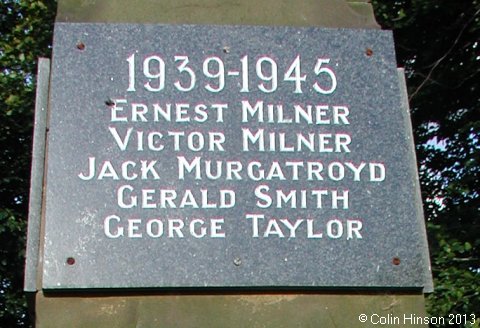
(213, 75)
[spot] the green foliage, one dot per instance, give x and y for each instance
(438, 43)
(457, 287)
(25, 35)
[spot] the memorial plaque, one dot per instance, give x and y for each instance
(222, 156)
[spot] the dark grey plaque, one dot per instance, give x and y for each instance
(145, 221)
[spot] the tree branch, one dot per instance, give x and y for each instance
(435, 65)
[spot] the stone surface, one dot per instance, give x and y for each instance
(231, 310)
(36, 179)
(428, 288)
(90, 73)
(325, 13)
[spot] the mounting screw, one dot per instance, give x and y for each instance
(237, 261)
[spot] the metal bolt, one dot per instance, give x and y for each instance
(237, 261)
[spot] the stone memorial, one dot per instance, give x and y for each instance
(206, 156)
(211, 165)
